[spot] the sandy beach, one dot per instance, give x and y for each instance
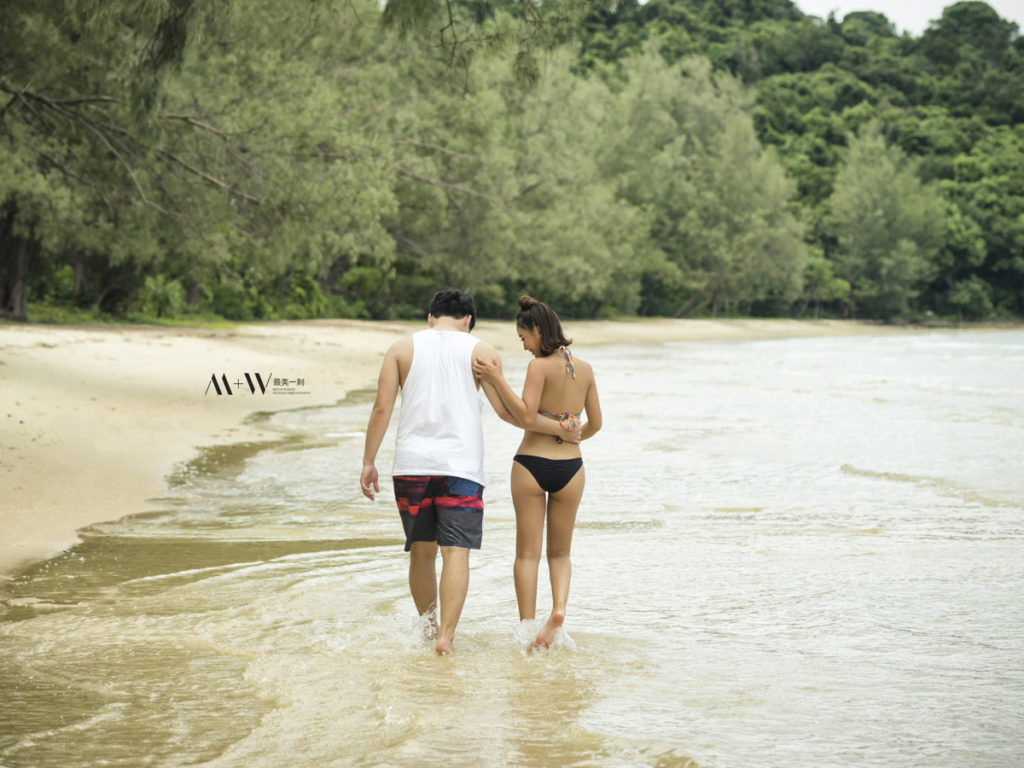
(93, 419)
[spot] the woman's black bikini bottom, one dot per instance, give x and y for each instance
(552, 475)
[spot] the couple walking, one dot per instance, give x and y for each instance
(438, 465)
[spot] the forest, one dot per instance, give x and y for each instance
(256, 159)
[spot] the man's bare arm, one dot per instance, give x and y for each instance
(380, 417)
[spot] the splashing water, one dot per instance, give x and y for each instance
(789, 553)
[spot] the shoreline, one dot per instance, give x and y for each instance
(93, 419)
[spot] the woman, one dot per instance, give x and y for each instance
(547, 472)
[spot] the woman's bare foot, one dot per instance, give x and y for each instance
(547, 634)
(443, 647)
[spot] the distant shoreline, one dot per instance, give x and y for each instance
(95, 417)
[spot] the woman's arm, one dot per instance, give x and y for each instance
(533, 387)
(489, 373)
(517, 410)
(496, 403)
(487, 378)
(592, 405)
(552, 428)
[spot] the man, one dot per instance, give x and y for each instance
(439, 453)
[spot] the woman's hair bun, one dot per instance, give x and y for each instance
(525, 302)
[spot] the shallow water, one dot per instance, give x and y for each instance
(790, 553)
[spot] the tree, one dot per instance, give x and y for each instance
(279, 100)
(685, 151)
(239, 163)
(969, 52)
(577, 241)
(889, 227)
(459, 32)
(986, 237)
(80, 85)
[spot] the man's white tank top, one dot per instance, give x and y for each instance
(439, 430)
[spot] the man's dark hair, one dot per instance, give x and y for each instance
(453, 303)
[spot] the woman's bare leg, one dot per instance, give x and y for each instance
(529, 502)
(561, 516)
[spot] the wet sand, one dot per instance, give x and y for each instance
(93, 419)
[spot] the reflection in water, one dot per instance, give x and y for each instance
(789, 553)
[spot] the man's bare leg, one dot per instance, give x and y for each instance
(423, 580)
(454, 586)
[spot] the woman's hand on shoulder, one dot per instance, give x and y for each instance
(488, 369)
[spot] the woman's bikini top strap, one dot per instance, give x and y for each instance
(565, 354)
(569, 421)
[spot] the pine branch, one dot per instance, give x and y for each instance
(425, 145)
(229, 188)
(199, 124)
(455, 188)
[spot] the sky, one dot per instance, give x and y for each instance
(908, 15)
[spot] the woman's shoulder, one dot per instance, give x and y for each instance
(556, 362)
(582, 367)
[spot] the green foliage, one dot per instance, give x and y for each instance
(161, 297)
(972, 297)
(254, 159)
(889, 227)
(822, 286)
(719, 223)
(48, 312)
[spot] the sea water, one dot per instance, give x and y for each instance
(804, 552)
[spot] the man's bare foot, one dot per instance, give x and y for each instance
(547, 634)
